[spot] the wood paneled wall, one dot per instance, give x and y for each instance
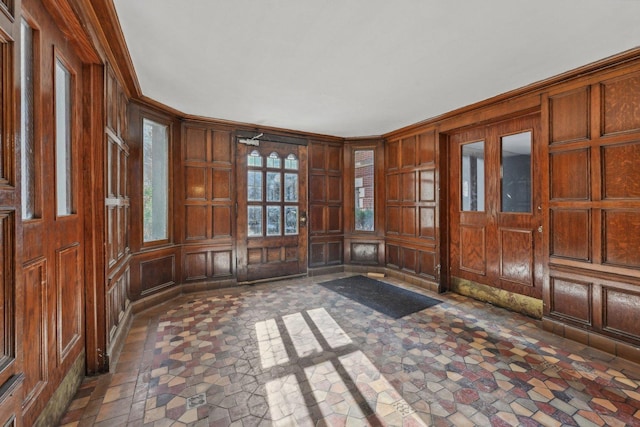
(412, 204)
(594, 206)
(326, 204)
(117, 204)
(206, 199)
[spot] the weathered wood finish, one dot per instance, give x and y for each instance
(326, 205)
(594, 200)
(412, 223)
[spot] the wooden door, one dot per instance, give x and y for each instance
(271, 202)
(53, 330)
(496, 214)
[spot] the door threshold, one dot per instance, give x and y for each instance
(272, 279)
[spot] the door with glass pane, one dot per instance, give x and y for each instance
(496, 216)
(272, 200)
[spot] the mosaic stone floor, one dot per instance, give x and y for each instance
(293, 353)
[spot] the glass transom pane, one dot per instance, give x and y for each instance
(273, 161)
(291, 162)
(290, 187)
(274, 220)
(290, 220)
(64, 190)
(254, 221)
(254, 159)
(273, 186)
(254, 186)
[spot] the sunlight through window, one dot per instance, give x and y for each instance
(330, 330)
(303, 339)
(272, 350)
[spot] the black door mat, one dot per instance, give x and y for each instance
(387, 299)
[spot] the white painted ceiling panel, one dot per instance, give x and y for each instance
(360, 67)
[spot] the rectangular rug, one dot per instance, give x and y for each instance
(384, 298)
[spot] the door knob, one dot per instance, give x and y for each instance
(303, 219)
(540, 229)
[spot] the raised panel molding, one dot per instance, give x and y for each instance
(392, 155)
(408, 188)
(571, 299)
(393, 256)
(195, 266)
(195, 183)
(221, 151)
(620, 312)
(393, 220)
(221, 185)
(317, 219)
(620, 243)
(117, 302)
(36, 357)
(157, 273)
(334, 158)
(68, 299)
(569, 116)
(473, 256)
(221, 263)
(221, 222)
(409, 152)
(409, 260)
(427, 185)
(516, 246)
(195, 144)
(427, 262)
(570, 175)
(427, 225)
(334, 189)
(317, 256)
(364, 253)
(195, 222)
(621, 174)
(570, 233)
(621, 105)
(427, 148)
(409, 221)
(393, 188)
(334, 219)
(317, 188)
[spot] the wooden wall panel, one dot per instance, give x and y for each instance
(570, 175)
(621, 315)
(409, 153)
(571, 234)
(572, 300)
(195, 144)
(222, 264)
(196, 222)
(409, 260)
(621, 104)
(472, 249)
(221, 185)
(392, 155)
(570, 116)
(393, 188)
(326, 201)
(427, 184)
(620, 242)
(222, 148)
(408, 187)
(516, 247)
(222, 222)
(69, 299)
(621, 178)
(427, 264)
(427, 225)
(364, 253)
(195, 183)
(409, 221)
(117, 303)
(394, 220)
(393, 256)
(427, 148)
(157, 273)
(206, 263)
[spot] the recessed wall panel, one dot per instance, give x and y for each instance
(569, 116)
(570, 175)
(570, 233)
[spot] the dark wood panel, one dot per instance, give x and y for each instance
(317, 188)
(571, 299)
(317, 156)
(409, 156)
(69, 299)
(195, 183)
(393, 256)
(621, 172)
(393, 188)
(334, 158)
(222, 264)
(157, 273)
(570, 175)
(317, 219)
(334, 189)
(393, 220)
(427, 148)
(427, 262)
(408, 188)
(409, 221)
(364, 253)
(621, 314)
(620, 242)
(516, 256)
(334, 253)
(222, 185)
(427, 225)
(427, 185)
(195, 265)
(36, 313)
(334, 219)
(195, 222)
(621, 105)
(222, 149)
(409, 260)
(117, 302)
(570, 233)
(569, 116)
(195, 144)
(392, 156)
(222, 221)
(317, 256)
(472, 248)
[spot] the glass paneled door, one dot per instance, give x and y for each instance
(272, 200)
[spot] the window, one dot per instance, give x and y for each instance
(26, 123)
(155, 186)
(472, 191)
(516, 172)
(64, 172)
(364, 196)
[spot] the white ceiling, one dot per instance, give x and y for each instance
(360, 67)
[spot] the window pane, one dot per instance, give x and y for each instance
(273, 220)
(26, 122)
(291, 162)
(273, 161)
(155, 187)
(254, 221)
(64, 174)
(290, 220)
(472, 191)
(364, 197)
(273, 186)
(290, 187)
(254, 186)
(516, 173)
(254, 159)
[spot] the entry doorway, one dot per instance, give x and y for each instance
(495, 206)
(272, 204)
